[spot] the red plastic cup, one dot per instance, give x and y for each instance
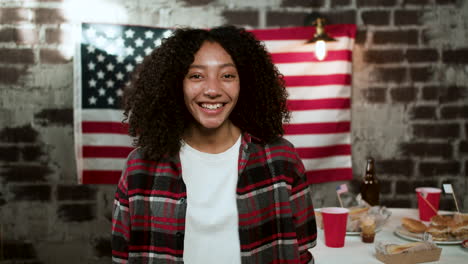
(334, 225)
(428, 195)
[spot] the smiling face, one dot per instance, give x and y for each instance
(211, 88)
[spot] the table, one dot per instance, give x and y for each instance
(357, 252)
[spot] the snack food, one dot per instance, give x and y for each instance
(460, 230)
(441, 220)
(460, 217)
(397, 249)
(413, 225)
(439, 233)
(356, 212)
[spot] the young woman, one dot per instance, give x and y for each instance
(211, 179)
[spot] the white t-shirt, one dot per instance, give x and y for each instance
(211, 223)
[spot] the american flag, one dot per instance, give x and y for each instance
(342, 188)
(319, 96)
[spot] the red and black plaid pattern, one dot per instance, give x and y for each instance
(276, 215)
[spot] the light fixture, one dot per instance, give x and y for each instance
(320, 37)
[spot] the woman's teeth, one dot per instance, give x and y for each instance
(211, 106)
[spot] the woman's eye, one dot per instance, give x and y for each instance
(195, 76)
(229, 76)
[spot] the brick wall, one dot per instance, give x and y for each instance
(409, 106)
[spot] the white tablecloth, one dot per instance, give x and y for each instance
(355, 251)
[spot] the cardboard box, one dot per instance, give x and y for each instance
(410, 257)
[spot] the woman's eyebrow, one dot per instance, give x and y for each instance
(205, 66)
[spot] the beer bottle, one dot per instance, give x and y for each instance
(370, 187)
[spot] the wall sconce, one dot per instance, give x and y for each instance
(320, 37)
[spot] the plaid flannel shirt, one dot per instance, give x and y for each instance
(276, 215)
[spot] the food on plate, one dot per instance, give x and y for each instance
(413, 225)
(460, 230)
(397, 249)
(439, 233)
(357, 212)
(441, 220)
(460, 217)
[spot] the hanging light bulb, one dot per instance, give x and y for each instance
(320, 38)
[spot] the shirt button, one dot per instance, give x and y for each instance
(182, 200)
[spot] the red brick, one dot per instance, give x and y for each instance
(463, 148)
(396, 37)
(417, 2)
(422, 55)
(430, 169)
(57, 36)
(421, 149)
(457, 56)
(32, 153)
(52, 116)
(403, 94)
(396, 202)
(392, 74)
(26, 173)
(341, 17)
(76, 192)
(9, 75)
(375, 3)
(375, 18)
(31, 192)
(407, 17)
(441, 131)
(15, 56)
(445, 94)
(422, 74)
(361, 36)
(337, 3)
(9, 154)
(14, 15)
(383, 56)
(197, 2)
(241, 17)
(394, 167)
(16, 250)
(408, 187)
(303, 3)
(281, 19)
(446, 2)
(423, 112)
(375, 95)
(103, 247)
(25, 134)
(454, 112)
(19, 35)
(77, 212)
(49, 16)
(52, 56)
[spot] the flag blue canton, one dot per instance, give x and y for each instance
(109, 54)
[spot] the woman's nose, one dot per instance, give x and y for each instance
(212, 88)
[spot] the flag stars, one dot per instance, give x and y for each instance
(110, 83)
(167, 33)
(129, 33)
(119, 76)
(120, 59)
(119, 92)
(100, 58)
(91, 66)
(91, 49)
(149, 34)
(101, 91)
(110, 100)
(148, 51)
(129, 50)
(92, 83)
(139, 42)
(157, 42)
(139, 59)
(110, 67)
(129, 67)
(100, 41)
(100, 74)
(92, 100)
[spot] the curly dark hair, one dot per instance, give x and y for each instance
(154, 107)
